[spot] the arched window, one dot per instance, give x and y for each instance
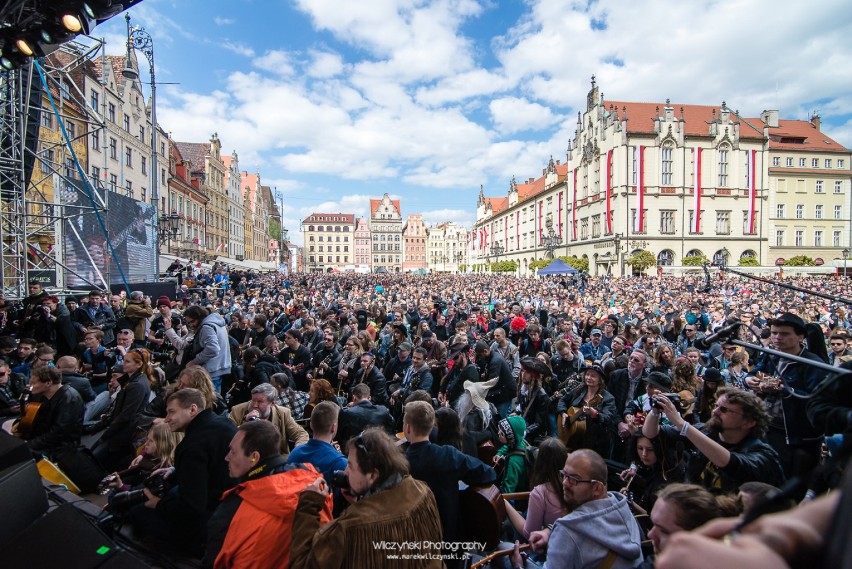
(720, 257)
(665, 258)
(329, 229)
(337, 228)
(748, 254)
(694, 253)
(723, 166)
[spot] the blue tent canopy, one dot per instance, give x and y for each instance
(557, 267)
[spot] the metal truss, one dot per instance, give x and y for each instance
(32, 221)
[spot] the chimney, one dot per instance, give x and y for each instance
(770, 118)
(815, 121)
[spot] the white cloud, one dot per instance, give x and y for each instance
(219, 21)
(325, 64)
(239, 48)
(275, 61)
(513, 114)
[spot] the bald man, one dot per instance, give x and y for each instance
(70, 368)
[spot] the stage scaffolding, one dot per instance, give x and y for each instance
(40, 178)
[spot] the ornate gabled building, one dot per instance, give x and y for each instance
(207, 166)
(386, 233)
(184, 196)
(363, 244)
(675, 180)
(236, 211)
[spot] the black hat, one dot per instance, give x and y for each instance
(712, 375)
(788, 319)
(660, 380)
(535, 365)
(73, 299)
(597, 369)
(402, 329)
(457, 348)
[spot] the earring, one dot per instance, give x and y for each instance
(254, 460)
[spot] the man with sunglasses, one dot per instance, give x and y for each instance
(600, 531)
(728, 450)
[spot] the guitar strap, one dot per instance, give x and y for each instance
(608, 561)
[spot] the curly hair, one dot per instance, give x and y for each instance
(751, 405)
(683, 376)
(321, 390)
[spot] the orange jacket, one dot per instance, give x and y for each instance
(260, 531)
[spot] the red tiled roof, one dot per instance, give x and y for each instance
(800, 135)
(342, 217)
(374, 205)
(640, 118)
(195, 153)
(497, 204)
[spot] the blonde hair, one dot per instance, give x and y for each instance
(200, 380)
(166, 442)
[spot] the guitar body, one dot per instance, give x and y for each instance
(483, 513)
(24, 428)
(573, 433)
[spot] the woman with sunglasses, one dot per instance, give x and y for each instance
(115, 447)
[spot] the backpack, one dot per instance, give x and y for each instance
(529, 452)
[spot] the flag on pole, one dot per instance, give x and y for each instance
(540, 225)
(560, 214)
(607, 166)
(574, 210)
(641, 189)
(751, 171)
(696, 187)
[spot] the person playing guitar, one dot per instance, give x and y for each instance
(59, 420)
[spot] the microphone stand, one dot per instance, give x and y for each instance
(731, 339)
(787, 286)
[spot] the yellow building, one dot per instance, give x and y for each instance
(206, 160)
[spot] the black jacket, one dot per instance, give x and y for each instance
(201, 474)
(441, 468)
(81, 383)
(455, 381)
(376, 382)
(534, 411)
(300, 364)
(131, 400)
(59, 422)
(364, 414)
(496, 366)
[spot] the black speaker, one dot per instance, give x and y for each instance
(62, 538)
(154, 290)
(12, 450)
(23, 498)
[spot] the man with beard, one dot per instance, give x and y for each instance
(326, 358)
(599, 531)
(728, 450)
(296, 358)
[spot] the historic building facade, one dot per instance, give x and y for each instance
(414, 243)
(236, 208)
(207, 166)
(386, 232)
(185, 197)
(363, 244)
(329, 241)
(447, 246)
(675, 180)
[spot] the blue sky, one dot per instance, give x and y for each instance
(337, 101)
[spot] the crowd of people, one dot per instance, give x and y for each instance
(317, 419)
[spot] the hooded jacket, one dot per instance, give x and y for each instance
(585, 537)
(252, 526)
(212, 350)
(515, 473)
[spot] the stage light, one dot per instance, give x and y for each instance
(7, 63)
(89, 11)
(72, 23)
(46, 36)
(24, 47)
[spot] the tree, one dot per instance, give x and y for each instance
(694, 260)
(642, 260)
(504, 267)
(748, 262)
(274, 230)
(538, 264)
(578, 263)
(799, 261)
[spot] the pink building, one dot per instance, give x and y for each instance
(363, 243)
(414, 242)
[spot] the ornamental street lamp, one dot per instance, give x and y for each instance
(140, 40)
(616, 241)
(497, 249)
(168, 227)
(845, 253)
(551, 241)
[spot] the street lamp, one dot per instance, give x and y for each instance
(140, 40)
(845, 253)
(168, 227)
(616, 241)
(551, 240)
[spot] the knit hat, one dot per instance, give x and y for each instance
(478, 391)
(513, 429)
(164, 301)
(73, 299)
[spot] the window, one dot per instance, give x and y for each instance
(838, 212)
(96, 140)
(746, 228)
(129, 189)
(723, 168)
(691, 221)
(111, 112)
(779, 238)
(635, 164)
(800, 211)
(723, 222)
(142, 133)
(814, 162)
(144, 163)
(667, 167)
(93, 99)
(113, 182)
(144, 194)
(800, 238)
(321, 257)
(128, 157)
(779, 211)
(840, 163)
(789, 162)
(96, 175)
(836, 239)
(596, 226)
(818, 238)
(667, 221)
(72, 129)
(838, 187)
(819, 187)
(665, 258)
(776, 161)
(818, 211)
(801, 162)
(828, 162)
(47, 120)
(127, 123)
(113, 149)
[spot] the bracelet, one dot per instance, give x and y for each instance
(549, 526)
(684, 429)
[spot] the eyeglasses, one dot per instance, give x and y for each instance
(48, 360)
(725, 410)
(573, 479)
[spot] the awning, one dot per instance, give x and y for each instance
(234, 262)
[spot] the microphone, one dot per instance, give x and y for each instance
(720, 334)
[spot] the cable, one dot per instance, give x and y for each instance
(83, 177)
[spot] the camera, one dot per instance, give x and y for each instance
(673, 397)
(339, 480)
(157, 484)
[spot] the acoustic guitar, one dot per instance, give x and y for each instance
(29, 410)
(483, 512)
(574, 429)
